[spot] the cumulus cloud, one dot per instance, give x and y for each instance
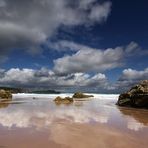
(27, 77)
(130, 77)
(83, 80)
(131, 74)
(46, 78)
(27, 24)
(87, 59)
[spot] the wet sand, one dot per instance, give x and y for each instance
(37, 123)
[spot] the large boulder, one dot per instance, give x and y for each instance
(137, 96)
(5, 94)
(59, 100)
(81, 95)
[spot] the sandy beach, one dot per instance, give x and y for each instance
(98, 122)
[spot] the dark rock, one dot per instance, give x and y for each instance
(59, 100)
(137, 96)
(68, 100)
(81, 95)
(5, 94)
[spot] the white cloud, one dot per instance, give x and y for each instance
(46, 78)
(27, 24)
(86, 59)
(100, 12)
(29, 78)
(130, 77)
(131, 74)
(89, 60)
(131, 49)
(82, 79)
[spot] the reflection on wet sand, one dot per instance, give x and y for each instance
(59, 103)
(78, 103)
(82, 124)
(139, 115)
(88, 136)
(136, 118)
(26, 117)
(5, 103)
(66, 135)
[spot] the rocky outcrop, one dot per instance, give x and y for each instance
(68, 100)
(59, 100)
(81, 95)
(137, 96)
(5, 94)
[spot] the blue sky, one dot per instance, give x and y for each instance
(64, 44)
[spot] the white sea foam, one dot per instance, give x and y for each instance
(96, 96)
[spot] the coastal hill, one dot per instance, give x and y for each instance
(12, 90)
(45, 92)
(28, 90)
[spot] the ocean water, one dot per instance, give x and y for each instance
(35, 121)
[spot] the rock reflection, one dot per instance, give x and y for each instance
(75, 102)
(136, 119)
(61, 103)
(5, 103)
(78, 103)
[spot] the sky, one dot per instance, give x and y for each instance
(87, 45)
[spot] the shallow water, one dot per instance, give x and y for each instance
(35, 121)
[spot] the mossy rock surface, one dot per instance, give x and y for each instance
(5, 94)
(137, 96)
(68, 100)
(59, 100)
